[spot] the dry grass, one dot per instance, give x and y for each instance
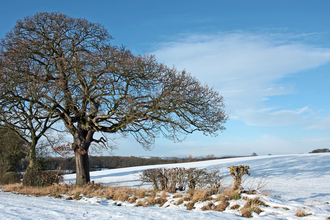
(235, 206)
(190, 206)
(164, 194)
(90, 190)
(222, 198)
(252, 205)
(301, 213)
(180, 201)
(256, 201)
(221, 207)
(229, 194)
(277, 207)
(132, 199)
(151, 201)
(255, 185)
(153, 193)
(187, 198)
(141, 193)
(201, 195)
(314, 202)
(142, 197)
(161, 201)
(266, 193)
(140, 203)
(209, 206)
(178, 195)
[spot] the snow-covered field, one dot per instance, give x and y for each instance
(295, 181)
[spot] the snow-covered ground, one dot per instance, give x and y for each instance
(295, 181)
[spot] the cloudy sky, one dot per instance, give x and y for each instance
(268, 59)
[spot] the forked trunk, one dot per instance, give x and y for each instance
(82, 168)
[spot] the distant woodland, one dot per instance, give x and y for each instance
(110, 162)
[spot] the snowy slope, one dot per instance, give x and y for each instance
(298, 181)
(294, 177)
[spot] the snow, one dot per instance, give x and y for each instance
(294, 181)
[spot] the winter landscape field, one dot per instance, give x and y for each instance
(293, 183)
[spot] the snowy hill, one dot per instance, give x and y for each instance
(294, 181)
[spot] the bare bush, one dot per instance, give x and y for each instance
(150, 176)
(196, 176)
(38, 177)
(212, 180)
(179, 178)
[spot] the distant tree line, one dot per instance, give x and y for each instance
(110, 162)
(324, 150)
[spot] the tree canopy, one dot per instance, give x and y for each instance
(94, 86)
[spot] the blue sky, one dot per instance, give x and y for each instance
(269, 60)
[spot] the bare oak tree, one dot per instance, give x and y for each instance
(94, 86)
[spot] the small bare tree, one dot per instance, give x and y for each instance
(237, 172)
(20, 111)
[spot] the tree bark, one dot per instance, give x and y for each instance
(82, 168)
(32, 153)
(80, 147)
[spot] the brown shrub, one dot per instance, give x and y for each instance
(10, 178)
(37, 177)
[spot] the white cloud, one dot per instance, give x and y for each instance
(267, 117)
(245, 68)
(320, 123)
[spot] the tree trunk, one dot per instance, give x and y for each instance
(32, 153)
(82, 168)
(82, 141)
